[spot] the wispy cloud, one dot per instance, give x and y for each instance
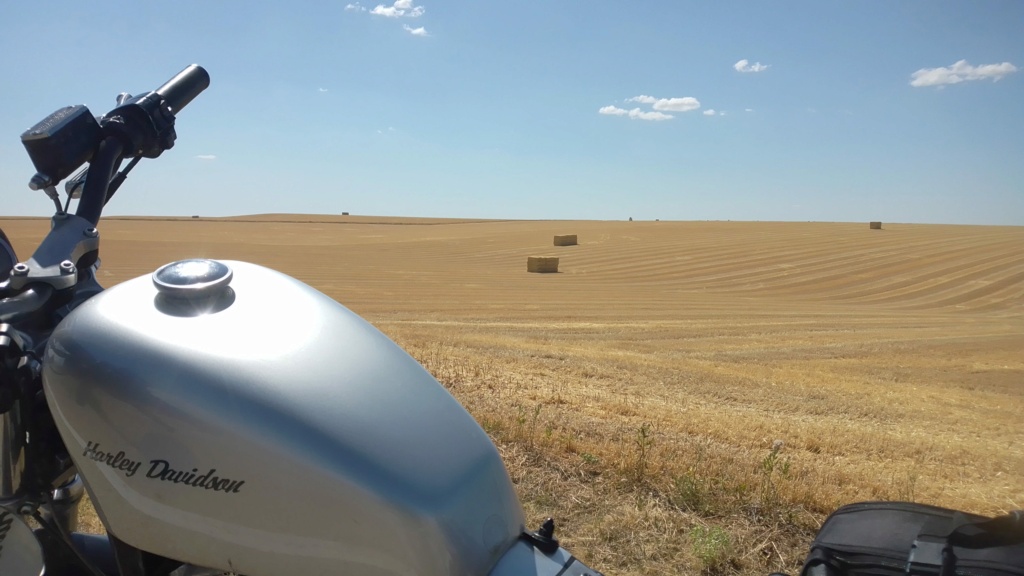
(684, 104)
(659, 107)
(709, 112)
(677, 104)
(322, 90)
(745, 66)
(748, 109)
(400, 9)
(960, 71)
(206, 157)
(634, 114)
(421, 31)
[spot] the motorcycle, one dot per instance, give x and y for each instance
(224, 418)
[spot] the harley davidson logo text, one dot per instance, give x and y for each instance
(161, 470)
(116, 461)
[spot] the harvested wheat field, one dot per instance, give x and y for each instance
(682, 397)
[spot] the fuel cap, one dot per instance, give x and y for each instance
(195, 279)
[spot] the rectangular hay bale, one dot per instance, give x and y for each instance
(875, 225)
(543, 264)
(565, 240)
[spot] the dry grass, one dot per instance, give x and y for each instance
(639, 396)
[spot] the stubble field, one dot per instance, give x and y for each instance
(682, 397)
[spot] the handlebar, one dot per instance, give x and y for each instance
(95, 192)
(69, 137)
(141, 126)
(184, 87)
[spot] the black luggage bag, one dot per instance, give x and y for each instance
(903, 538)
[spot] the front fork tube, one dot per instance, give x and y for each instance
(66, 499)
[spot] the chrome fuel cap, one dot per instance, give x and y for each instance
(195, 279)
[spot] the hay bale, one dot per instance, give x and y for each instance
(565, 240)
(543, 264)
(875, 225)
(344, 213)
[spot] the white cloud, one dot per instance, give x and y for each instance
(387, 12)
(745, 66)
(398, 9)
(322, 90)
(709, 112)
(634, 114)
(401, 8)
(684, 104)
(659, 105)
(406, 5)
(959, 72)
(637, 114)
(206, 157)
(748, 109)
(677, 104)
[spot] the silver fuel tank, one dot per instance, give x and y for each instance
(229, 416)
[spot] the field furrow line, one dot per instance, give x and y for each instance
(977, 271)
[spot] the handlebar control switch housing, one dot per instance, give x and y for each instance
(60, 143)
(144, 124)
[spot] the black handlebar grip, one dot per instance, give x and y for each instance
(184, 87)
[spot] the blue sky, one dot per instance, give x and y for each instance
(828, 111)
